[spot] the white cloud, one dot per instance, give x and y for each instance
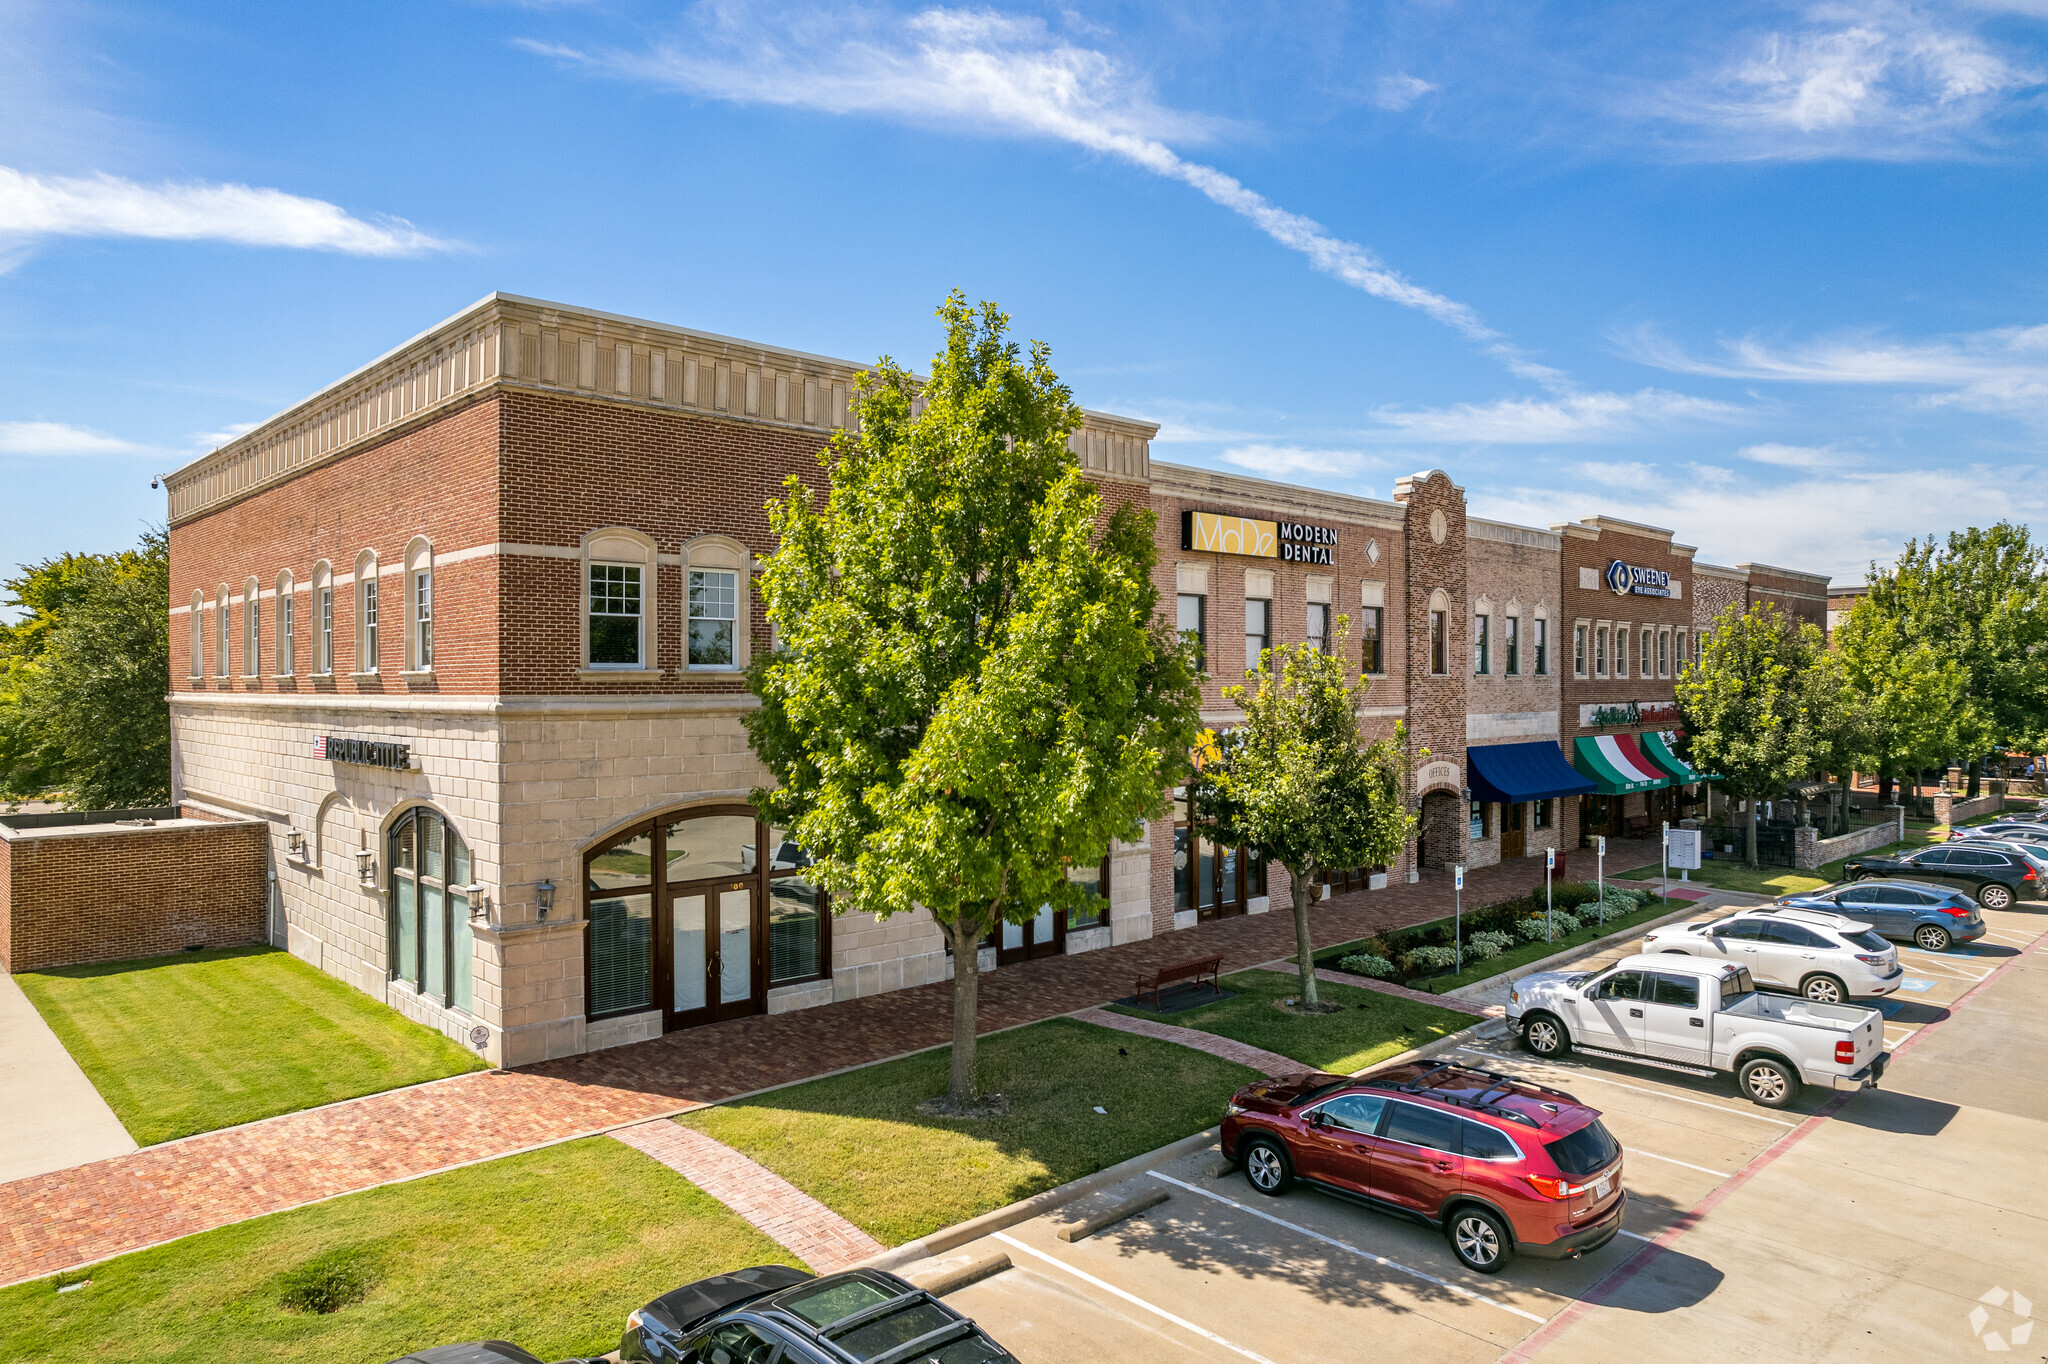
(980, 70)
(34, 207)
(1793, 456)
(213, 440)
(1883, 80)
(60, 438)
(1396, 92)
(1615, 473)
(2000, 371)
(1556, 420)
(1836, 523)
(1295, 461)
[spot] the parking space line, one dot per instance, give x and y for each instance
(1132, 1298)
(1381, 1260)
(1598, 1078)
(1669, 1161)
(1923, 961)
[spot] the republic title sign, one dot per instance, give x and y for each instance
(1293, 542)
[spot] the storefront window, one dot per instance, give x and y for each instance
(1539, 814)
(1258, 632)
(1191, 618)
(1369, 638)
(713, 597)
(798, 917)
(1482, 644)
(432, 948)
(615, 615)
(1096, 878)
(710, 847)
(1511, 643)
(1476, 820)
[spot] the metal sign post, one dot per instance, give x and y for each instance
(1600, 866)
(1549, 862)
(1665, 856)
(1458, 915)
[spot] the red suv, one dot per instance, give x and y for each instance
(1499, 1164)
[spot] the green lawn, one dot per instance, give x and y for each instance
(1521, 955)
(1373, 1026)
(1722, 874)
(550, 1249)
(202, 1040)
(857, 1143)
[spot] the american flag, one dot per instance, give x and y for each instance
(320, 747)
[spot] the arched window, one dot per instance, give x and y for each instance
(323, 618)
(717, 603)
(683, 914)
(366, 612)
(197, 662)
(431, 945)
(287, 624)
(252, 627)
(619, 618)
(220, 631)
(419, 605)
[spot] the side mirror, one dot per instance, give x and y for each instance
(1318, 1118)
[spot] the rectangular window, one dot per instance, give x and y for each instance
(325, 663)
(423, 620)
(198, 641)
(1369, 638)
(1482, 645)
(1578, 651)
(1621, 650)
(252, 641)
(287, 647)
(1258, 632)
(1439, 647)
(1600, 652)
(1539, 814)
(1646, 654)
(1678, 655)
(1476, 820)
(370, 653)
(1542, 643)
(1191, 617)
(1511, 643)
(714, 599)
(1319, 626)
(1663, 653)
(614, 615)
(220, 660)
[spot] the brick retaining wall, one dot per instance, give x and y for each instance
(80, 894)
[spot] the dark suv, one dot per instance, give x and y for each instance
(772, 1314)
(1993, 876)
(1498, 1164)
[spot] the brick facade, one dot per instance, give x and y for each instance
(77, 894)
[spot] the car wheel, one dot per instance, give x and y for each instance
(1479, 1240)
(1932, 937)
(1768, 1081)
(1824, 990)
(1544, 1036)
(1266, 1167)
(1994, 896)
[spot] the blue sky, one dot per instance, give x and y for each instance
(1771, 275)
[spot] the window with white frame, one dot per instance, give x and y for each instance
(287, 645)
(1600, 651)
(368, 655)
(1663, 653)
(1646, 656)
(1679, 652)
(615, 616)
(1511, 643)
(418, 584)
(1482, 643)
(1579, 650)
(1621, 650)
(1541, 640)
(252, 629)
(621, 615)
(197, 663)
(714, 603)
(1319, 625)
(220, 631)
(323, 619)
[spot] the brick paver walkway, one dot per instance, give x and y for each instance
(1258, 1058)
(66, 1218)
(815, 1234)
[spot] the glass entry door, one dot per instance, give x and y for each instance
(1043, 936)
(714, 961)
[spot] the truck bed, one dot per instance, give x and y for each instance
(1805, 1012)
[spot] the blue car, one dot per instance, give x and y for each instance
(1927, 915)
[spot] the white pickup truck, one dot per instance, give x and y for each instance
(1683, 1013)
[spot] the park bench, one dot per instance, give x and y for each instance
(1193, 970)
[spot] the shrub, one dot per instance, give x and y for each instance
(1561, 924)
(1367, 964)
(329, 1282)
(1433, 958)
(1572, 894)
(1486, 946)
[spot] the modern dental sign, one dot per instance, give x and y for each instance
(1293, 542)
(1624, 579)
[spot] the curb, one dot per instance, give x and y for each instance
(974, 1228)
(1572, 953)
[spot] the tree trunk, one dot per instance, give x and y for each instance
(1309, 998)
(1749, 829)
(966, 940)
(1976, 778)
(1884, 789)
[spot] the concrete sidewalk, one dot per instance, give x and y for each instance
(55, 1118)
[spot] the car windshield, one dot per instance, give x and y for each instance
(1590, 1149)
(1865, 939)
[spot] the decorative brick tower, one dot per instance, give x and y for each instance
(1438, 643)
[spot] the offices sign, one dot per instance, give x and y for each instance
(1293, 542)
(1624, 579)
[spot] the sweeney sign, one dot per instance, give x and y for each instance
(1602, 714)
(1625, 578)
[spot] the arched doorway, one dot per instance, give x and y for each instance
(427, 914)
(684, 914)
(1439, 833)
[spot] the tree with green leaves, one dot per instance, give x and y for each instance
(974, 690)
(83, 679)
(1979, 599)
(1906, 700)
(1297, 783)
(1743, 703)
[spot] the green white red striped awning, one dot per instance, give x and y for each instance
(1615, 764)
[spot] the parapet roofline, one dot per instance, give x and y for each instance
(1785, 572)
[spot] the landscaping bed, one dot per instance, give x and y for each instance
(203, 1040)
(1497, 937)
(1371, 1026)
(550, 1249)
(859, 1143)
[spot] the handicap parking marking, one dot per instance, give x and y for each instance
(1916, 985)
(1363, 1254)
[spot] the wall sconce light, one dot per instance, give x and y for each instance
(295, 843)
(366, 868)
(479, 900)
(544, 898)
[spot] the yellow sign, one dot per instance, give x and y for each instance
(1231, 535)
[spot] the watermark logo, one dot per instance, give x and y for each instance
(1999, 1333)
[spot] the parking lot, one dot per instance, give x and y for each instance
(1873, 1230)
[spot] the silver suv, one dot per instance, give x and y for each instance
(1821, 956)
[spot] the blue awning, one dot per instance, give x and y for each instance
(1508, 774)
